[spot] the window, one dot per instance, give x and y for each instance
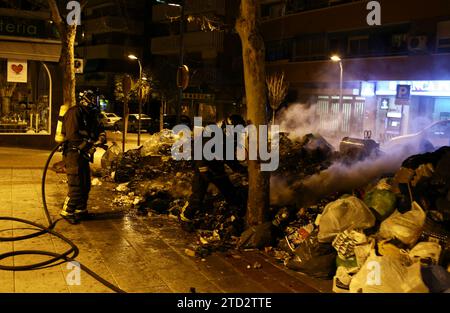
(358, 46)
(279, 50)
(311, 47)
(25, 106)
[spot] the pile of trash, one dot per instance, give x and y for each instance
(150, 180)
(148, 177)
(391, 236)
(305, 156)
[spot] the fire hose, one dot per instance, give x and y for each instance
(55, 259)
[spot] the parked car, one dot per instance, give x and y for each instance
(108, 120)
(429, 139)
(147, 123)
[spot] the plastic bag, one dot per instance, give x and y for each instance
(345, 243)
(427, 253)
(436, 278)
(405, 227)
(111, 156)
(343, 214)
(342, 279)
(383, 202)
(314, 258)
(386, 274)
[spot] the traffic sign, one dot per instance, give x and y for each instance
(403, 95)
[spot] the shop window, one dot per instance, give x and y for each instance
(25, 106)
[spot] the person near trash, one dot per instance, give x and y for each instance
(214, 172)
(83, 132)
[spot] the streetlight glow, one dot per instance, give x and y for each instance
(336, 58)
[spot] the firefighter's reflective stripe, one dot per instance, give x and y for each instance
(59, 137)
(183, 209)
(203, 169)
(65, 207)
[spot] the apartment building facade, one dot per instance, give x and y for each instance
(410, 47)
(111, 30)
(211, 51)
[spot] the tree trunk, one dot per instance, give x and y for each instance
(67, 64)
(253, 53)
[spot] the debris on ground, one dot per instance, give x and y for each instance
(400, 221)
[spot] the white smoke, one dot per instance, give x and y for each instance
(299, 120)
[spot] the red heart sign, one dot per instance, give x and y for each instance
(17, 68)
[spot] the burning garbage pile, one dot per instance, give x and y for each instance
(389, 236)
(331, 218)
(148, 177)
(150, 180)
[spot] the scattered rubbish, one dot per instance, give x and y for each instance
(427, 253)
(257, 265)
(345, 213)
(96, 182)
(313, 258)
(346, 241)
(382, 202)
(122, 187)
(398, 221)
(406, 227)
(386, 274)
(436, 278)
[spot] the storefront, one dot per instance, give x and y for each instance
(429, 102)
(30, 84)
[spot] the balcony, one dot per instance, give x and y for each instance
(106, 51)
(193, 42)
(163, 12)
(205, 6)
(110, 24)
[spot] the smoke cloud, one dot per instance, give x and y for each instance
(299, 120)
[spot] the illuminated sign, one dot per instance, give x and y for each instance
(435, 88)
(20, 27)
(17, 71)
(403, 94)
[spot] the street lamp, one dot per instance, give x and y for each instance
(180, 88)
(336, 58)
(133, 57)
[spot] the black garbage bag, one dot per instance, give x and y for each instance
(258, 237)
(126, 167)
(436, 278)
(314, 258)
(415, 161)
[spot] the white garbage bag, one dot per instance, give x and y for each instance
(387, 274)
(427, 253)
(344, 214)
(405, 227)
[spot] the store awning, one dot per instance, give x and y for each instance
(48, 52)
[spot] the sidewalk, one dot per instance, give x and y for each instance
(139, 254)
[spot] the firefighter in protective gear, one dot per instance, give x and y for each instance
(82, 131)
(206, 172)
